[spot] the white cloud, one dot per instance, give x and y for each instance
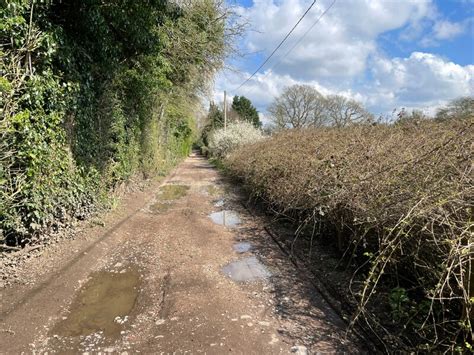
(447, 30)
(421, 80)
(340, 55)
(444, 30)
(263, 88)
(339, 45)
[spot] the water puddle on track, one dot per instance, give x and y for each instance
(226, 218)
(172, 192)
(242, 247)
(102, 305)
(247, 269)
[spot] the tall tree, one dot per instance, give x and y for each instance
(302, 106)
(215, 116)
(246, 111)
(97, 90)
(340, 111)
(299, 106)
(214, 120)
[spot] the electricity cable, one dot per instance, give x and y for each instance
(279, 45)
(301, 39)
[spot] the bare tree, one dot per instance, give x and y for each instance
(341, 111)
(461, 108)
(298, 106)
(301, 106)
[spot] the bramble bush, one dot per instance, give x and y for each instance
(395, 198)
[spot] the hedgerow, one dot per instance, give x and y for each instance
(397, 199)
(92, 94)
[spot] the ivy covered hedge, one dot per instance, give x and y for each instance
(92, 93)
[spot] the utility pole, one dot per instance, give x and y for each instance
(225, 110)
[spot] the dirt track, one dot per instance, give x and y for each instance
(151, 280)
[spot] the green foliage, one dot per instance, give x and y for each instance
(214, 120)
(215, 117)
(398, 301)
(246, 111)
(40, 183)
(93, 93)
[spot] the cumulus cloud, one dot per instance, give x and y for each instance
(421, 80)
(264, 87)
(443, 30)
(340, 43)
(341, 54)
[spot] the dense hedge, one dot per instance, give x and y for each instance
(398, 199)
(92, 93)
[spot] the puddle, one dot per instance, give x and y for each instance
(242, 247)
(160, 207)
(226, 218)
(102, 305)
(247, 269)
(172, 192)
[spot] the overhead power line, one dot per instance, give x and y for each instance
(304, 35)
(279, 45)
(300, 39)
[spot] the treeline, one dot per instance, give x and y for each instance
(241, 110)
(303, 106)
(94, 93)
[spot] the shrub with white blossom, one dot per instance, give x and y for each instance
(222, 142)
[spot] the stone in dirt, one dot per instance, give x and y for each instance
(242, 247)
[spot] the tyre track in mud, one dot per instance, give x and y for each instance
(185, 302)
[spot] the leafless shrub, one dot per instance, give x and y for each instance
(461, 108)
(401, 195)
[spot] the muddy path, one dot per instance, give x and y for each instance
(180, 267)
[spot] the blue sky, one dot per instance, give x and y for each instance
(385, 53)
(455, 48)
